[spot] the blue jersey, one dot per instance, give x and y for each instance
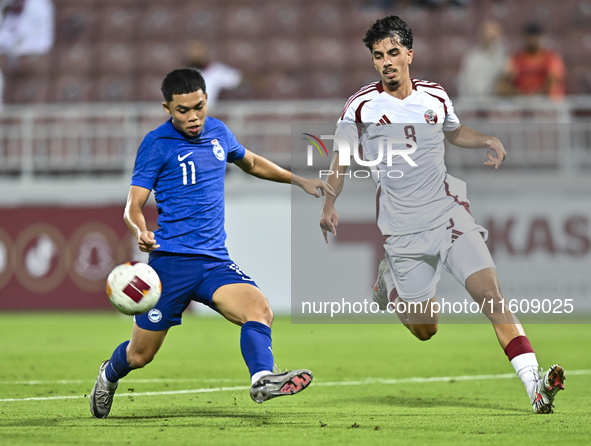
(187, 176)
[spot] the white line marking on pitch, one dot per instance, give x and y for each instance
(325, 384)
(81, 381)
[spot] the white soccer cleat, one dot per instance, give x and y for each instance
(101, 397)
(546, 389)
(380, 289)
(280, 384)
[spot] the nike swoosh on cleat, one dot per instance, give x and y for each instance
(181, 158)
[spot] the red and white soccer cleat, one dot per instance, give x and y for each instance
(546, 389)
(280, 384)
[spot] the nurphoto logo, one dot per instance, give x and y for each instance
(387, 149)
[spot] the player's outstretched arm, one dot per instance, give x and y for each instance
(329, 217)
(471, 139)
(261, 167)
(135, 220)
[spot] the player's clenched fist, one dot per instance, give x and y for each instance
(146, 241)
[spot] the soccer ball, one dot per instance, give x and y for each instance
(133, 288)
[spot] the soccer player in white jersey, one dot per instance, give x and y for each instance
(425, 220)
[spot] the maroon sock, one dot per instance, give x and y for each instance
(518, 346)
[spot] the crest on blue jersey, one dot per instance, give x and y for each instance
(218, 150)
(155, 315)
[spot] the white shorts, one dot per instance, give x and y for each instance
(415, 260)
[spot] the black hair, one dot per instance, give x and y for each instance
(532, 29)
(392, 27)
(182, 81)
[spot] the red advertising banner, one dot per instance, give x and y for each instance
(59, 257)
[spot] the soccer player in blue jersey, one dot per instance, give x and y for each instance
(184, 162)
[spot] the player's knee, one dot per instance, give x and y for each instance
(492, 293)
(425, 336)
(424, 332)
(265, 315)
(260, 312)
(269, 315)
(139, 360)
(483, 289)
(493, 299)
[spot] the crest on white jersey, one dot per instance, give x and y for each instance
(218, 150)
(431, 117)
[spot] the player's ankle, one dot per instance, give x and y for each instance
(108, 383)
(259, 375)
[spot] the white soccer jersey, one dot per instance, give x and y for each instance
(410, 198)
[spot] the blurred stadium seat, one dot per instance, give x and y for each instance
(579, 79)
(284, 20)
(71, 89)
(159, 22)
(28, 90)
(148, 86)
(425, 51)
(285, 53)
(33, 65)
(242, 20)
(114, 89)
(75, 23)
(463, 20)
(421, 20)
(576, 47)
(156, 57)
(202, 22)
(116, 58)
(448, 50)
(279, 85)
(326, 83)
(75, 59)
(579, 14)
(325, 19)
(325, 53)
(117, 23)
(247, 55)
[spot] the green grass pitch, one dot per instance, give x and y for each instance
(366, 390)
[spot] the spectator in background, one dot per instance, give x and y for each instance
(482, 67)
(534, 70)
(218, 76)
(26, 27)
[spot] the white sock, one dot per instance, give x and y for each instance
(260, 374)
(526, 367)
(106, 382)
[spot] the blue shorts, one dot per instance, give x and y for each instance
(186, 277)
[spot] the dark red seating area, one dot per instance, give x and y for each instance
(118, 50)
